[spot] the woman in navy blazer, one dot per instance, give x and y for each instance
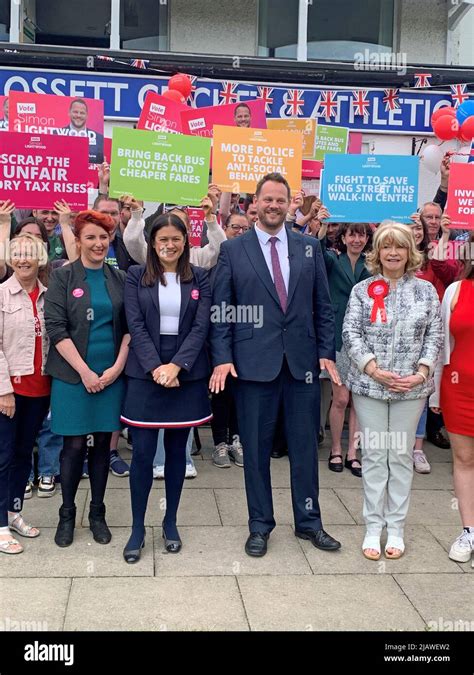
(345, 267)
(167, 304)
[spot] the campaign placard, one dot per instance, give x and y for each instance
(305, 127)
(37, 170)
(64, 116)
(330, 141)
(245, 114)
(161, 114)
(460, 204)
(159, 167)
(241, 158)
(370, 188)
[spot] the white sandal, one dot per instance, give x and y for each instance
(17, 524)
(7, 545)
(397, 543)
(371, 541)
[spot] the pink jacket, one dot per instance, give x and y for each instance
(17, 332)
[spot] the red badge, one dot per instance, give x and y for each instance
(78, 292)
(195, 294)
(378, 290)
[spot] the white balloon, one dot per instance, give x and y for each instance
(432, 156)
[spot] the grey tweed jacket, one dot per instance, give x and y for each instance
(412, 336)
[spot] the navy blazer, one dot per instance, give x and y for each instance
(142, 308)
(304, 334)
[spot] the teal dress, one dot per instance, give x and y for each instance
(75, 412)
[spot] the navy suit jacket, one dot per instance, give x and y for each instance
(304, 334)
(142, 308)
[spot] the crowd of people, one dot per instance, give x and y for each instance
(279, 321)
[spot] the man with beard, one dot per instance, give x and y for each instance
(78, 113)
(242, 116)
(275, 353)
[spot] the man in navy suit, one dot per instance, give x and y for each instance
(272, 328)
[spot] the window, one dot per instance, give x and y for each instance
(78, 23)
(144, 25)
(278, 28)
(339, 28)
(4, 20)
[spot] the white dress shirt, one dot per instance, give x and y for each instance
(282, 250)
(170, 305)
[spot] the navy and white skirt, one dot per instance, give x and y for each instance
(151, 406)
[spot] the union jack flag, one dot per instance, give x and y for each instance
(471, 154)
(190, 99)
(328, 103)
(295, 102)
(105, 58)
(140, 63)
(265, 93)
(459, 94)
(422, 80)
(228, 93)
(391, 99)
(360, 104)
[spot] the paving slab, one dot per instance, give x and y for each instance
(329, 602)
(219, 551)
(33, 604)
(197, 507)
(445, 601)
(436, 507)
(423, 554)
(44, 511)
(84, 558)
(205, 604)
(233, 507)
(445, 535)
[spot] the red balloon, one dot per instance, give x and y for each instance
(467, 129)
(446, 127)
(174, 95)
(182, 83)
(441, 112)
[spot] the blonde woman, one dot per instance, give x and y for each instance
(24, 387)
(393, 334)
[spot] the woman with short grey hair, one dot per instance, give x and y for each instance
(392, 332)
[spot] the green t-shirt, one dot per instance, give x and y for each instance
(56, 248)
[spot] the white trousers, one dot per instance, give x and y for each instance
(387, 432)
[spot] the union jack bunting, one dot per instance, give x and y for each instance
(471, 154)
(190, 99)
(459, 94)
(328, 103)
(104, 58)
(140, 63)
(360, 104)
(265, 93)
(228, 93)
(422, 80)
(391, 99)
(295, 102)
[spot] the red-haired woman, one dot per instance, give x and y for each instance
(86, 325)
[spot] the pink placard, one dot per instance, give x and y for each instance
(201, 121)
(460, 204)
(93, 171)
(311, 168)
(161, 114)
(38, 169)
(65, 116)
(354, 145)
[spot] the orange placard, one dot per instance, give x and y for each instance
(306, 127)
(241, 157)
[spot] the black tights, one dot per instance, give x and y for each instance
(73, 456)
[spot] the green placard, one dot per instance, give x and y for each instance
(159, 167)
(330, 141)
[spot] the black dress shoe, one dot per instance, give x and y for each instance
(355, 470)
(172, 545)
(278, 452)
(320, 539)
(256, 544)
(132, 556)
(439, 440)
(337, 467)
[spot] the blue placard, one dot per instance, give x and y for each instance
(370, 188)
(123, 97)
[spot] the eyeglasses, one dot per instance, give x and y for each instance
(236, 228)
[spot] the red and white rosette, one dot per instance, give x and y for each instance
(378, 291)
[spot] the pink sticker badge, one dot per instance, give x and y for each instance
(78, 292)
(195, 294)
